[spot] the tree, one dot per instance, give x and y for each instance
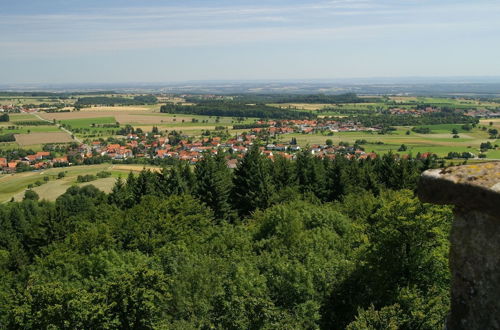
(31, 195)
(329, 142)
(252, 184)
(214, 184)
(493, 132)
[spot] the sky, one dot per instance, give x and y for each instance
(126, 41)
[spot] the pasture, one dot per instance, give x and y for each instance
(144, 119)
(441, 142)
(14, 185)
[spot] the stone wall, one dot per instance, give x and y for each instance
(475, 240)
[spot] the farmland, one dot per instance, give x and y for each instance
(14, 185)
(41, 138)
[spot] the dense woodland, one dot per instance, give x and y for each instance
(116, 100)
(235, 109)
(302, 244)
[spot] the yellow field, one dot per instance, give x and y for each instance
(40, 138)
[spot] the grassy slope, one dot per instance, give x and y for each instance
(14, 185)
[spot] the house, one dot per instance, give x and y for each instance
(63, 159)
(42, 154)
(3, 162)
(31, 158)
(162, 153)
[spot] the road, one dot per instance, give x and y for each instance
(59, 126)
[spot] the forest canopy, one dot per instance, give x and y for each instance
(303, 244)
(235, 109)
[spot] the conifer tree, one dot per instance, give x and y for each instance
(213, 185)
(253, 187)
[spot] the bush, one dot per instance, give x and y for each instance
(103, 174)
(31, 195)
(86, 178)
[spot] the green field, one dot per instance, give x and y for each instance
(28, 129)
(14, 185)
(88, 122)
(440, 142)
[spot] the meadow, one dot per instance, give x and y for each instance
(440, 142)
(14, 185)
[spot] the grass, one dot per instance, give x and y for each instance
(87, 122)
(14, 185)
(29, 129)
(439, 143)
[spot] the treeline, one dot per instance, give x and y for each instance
(235, 109)
(34, 123)
(286, 245)
(248, 126)
(111, 101)
(7, 138)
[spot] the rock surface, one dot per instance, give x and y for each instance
(472, 187)
(475, 240)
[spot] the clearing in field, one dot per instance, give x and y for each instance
(40, 138)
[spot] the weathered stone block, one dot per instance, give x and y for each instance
(475, 240)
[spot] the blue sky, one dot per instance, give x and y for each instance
(62, 41)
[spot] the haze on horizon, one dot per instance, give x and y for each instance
(108, 41)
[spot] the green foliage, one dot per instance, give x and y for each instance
(286, 244)
(31, 195)
(235, 109)
(4, 117)
(253, 186)
(214, 184)
(111, 101)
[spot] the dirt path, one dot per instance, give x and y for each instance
(73, 136)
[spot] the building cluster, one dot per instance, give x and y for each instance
(39, 160)
(310, 126)
(483, 113)
(413, 112)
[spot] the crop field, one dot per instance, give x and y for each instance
(440, 143)
(14, 185)
(88, 122)
(188, 124)
(40, 138)
(4, 129)
(14, 117)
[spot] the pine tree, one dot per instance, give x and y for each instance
(252, 183)
(213, 185)
(311, 174)
(283, 172)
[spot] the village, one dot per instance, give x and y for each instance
(173, 146)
